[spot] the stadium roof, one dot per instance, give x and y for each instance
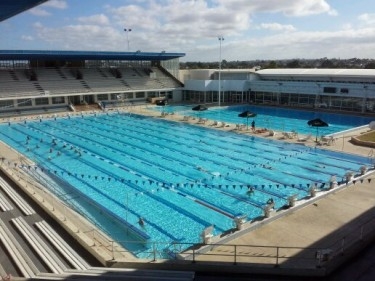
(85, 55)
(317, 72)
(9, 8)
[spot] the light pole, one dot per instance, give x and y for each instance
(127, 30)
(221, 38)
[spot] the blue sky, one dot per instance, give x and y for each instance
(252, 29)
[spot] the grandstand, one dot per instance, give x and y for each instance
(52, 80)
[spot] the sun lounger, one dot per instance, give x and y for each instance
(272, 133)
(306, 138)
(202, 120)
(221, 124)
(326, 141)
(290, 135)
(260, 131)
(214, 123)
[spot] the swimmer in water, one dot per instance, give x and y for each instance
(250, 191)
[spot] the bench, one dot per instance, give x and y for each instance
(26, 209)
(64, 249)
(4, 204)
(137, 274)
(19, 257)
(44, 252)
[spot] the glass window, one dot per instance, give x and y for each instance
(58, 100)
(6, 104)
(41, 101)
(24, 102)
(101, 97)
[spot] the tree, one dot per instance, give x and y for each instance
(293, 64)
(271, 64)
(370, 65)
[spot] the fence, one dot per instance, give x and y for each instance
(230, 254)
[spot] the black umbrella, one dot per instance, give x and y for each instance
(247, 114)
(317, 123)
(162, 103)
(199, 108)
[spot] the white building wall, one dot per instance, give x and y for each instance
(354, 90)
(213, 85)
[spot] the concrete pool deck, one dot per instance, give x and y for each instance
(318, 224)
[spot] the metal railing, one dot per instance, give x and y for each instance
(229, 254)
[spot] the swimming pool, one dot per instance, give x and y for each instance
(180, 178)
(278, 119)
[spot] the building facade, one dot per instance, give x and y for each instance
(332, 89)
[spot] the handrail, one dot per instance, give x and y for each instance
(262, 255)
(276, 256)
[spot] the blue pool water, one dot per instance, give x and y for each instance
(278, 119)
(115, 168)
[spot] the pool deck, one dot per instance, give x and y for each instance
(318, 223)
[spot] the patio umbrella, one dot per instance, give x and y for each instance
(162, 103)
(247, 114)
(317, 123)
(199, 108)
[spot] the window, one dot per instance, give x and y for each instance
(344, 91)
(329, 90)
(58, 100)
(6, 104)
(41, 101)
(24, 102)
(101, 97)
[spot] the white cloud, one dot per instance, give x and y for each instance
(193, 26)
(95, 19)
(57, 4)
(277, 27)
(79, 37)
(27, 38)
(39, 12)
(294, 8)
(367, 19)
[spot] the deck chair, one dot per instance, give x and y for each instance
(305, 138)
(214, 123)
(272, 133)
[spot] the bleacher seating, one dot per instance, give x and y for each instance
(50, 258)
(25, 266)
(60, 81)
(59, 243)
(4, 204)
(17, 199)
